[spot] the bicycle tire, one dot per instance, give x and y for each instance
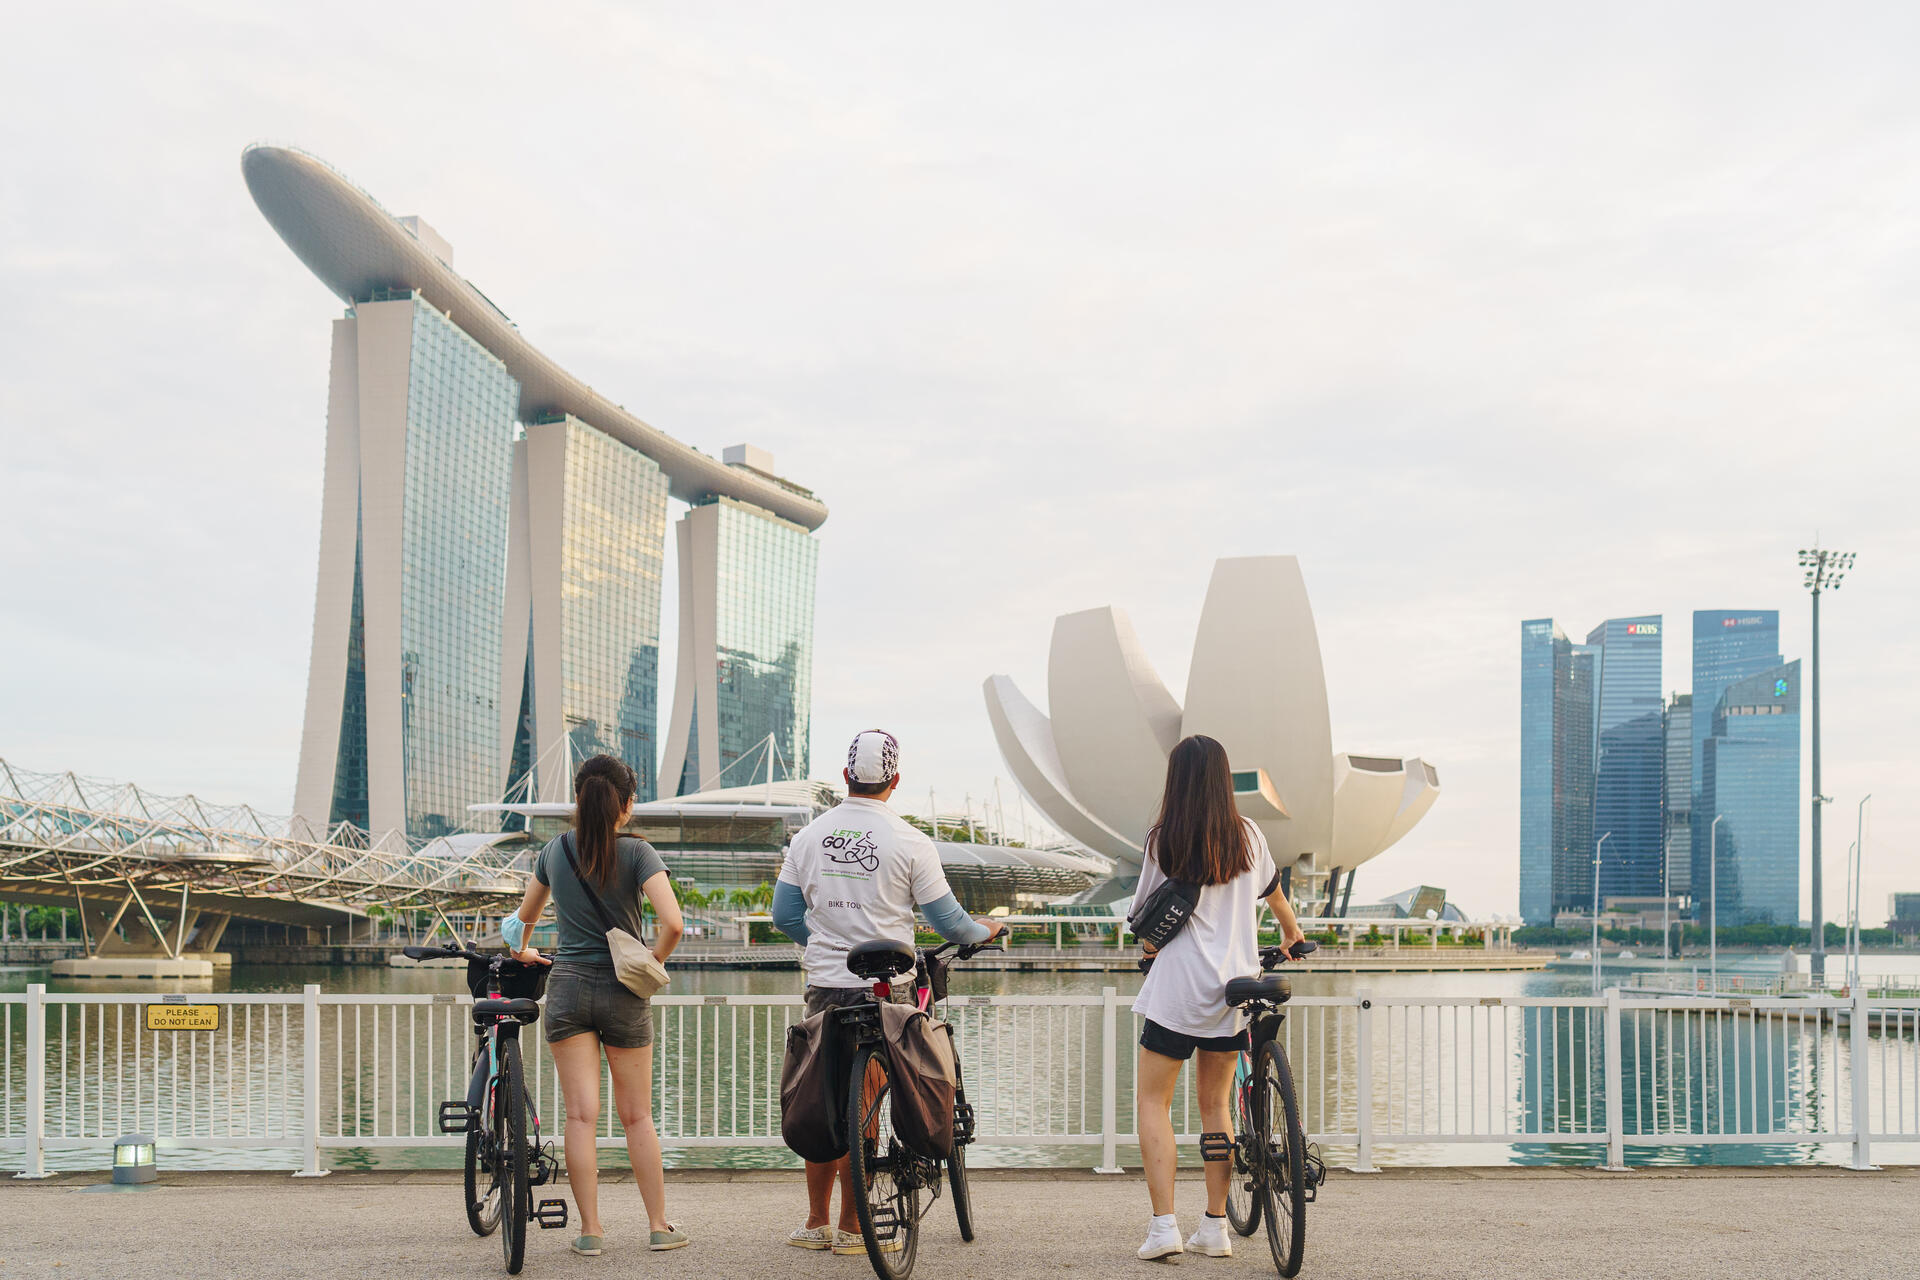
(962, 1198)
(483, 1209)
(515, 1203)
(872, 1159)
(1285, 1202)
(1243, 1205)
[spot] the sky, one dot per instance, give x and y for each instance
(1485, 311)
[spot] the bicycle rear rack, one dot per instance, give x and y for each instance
(551, 1215)
(457, 1117)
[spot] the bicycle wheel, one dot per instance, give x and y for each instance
(483, 1196)
(1243, 1206)
(962, 1198)
(1284, 1151)
(510, 1105)
(885, 1174)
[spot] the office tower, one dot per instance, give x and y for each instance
(1677, 802)
(582, 629)
(742, 694)
(1728, 645)
(1629, 742)
(439, 678)
(1750, 781)
(1556, 772)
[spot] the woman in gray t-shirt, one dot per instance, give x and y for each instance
(588, 1010)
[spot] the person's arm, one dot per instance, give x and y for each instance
(1290, 931)
(951, 921)
(1149, 879)
(513, 930)
(666, 914)
(790, 912)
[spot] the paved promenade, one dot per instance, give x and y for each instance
(1546, 1223)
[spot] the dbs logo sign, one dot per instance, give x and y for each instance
(1643, 628)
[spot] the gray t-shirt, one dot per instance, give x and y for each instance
(583, 939)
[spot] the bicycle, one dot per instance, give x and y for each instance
(1274, 1174)
(890, 1215)
(498, 1152)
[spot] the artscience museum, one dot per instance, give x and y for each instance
(1095, 761)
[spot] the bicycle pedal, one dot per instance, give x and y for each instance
(1316, 1171)
(457, 1116)
(551, 1215)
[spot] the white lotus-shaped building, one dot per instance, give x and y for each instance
(1097, 764)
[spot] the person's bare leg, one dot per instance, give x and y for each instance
(1154, 1081)
(820, 1178)
(632, 1071)
(1214, 1080)
(577, 1062)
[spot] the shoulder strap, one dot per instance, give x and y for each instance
(599, 908)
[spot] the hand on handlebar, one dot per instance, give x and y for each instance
(995, 928)
(530, 954)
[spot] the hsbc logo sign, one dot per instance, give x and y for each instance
(1741, 622)
(1643, 628)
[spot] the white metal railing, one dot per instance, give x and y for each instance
(307, 1072)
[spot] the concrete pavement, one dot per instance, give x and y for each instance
(1687, 1224)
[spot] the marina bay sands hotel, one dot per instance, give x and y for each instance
(492, 547)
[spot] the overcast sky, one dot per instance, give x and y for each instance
(1485, 312)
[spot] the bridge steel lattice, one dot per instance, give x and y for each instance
(171, 871)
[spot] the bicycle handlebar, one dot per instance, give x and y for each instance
(1269, 956)
(967, 951)
(454, 950)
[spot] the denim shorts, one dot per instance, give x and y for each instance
(585, 997)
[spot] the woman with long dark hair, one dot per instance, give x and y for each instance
(588, 1010)
(1199, 837)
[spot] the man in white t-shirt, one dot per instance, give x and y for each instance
(853, 875)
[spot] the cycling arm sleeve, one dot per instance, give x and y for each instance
(514, 930)
(952, 923)
(790, 911)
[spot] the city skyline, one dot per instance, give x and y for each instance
(1038, 384)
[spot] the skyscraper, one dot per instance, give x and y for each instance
(1629, 738)
(582, 631)
(743, 692)
(1677, 797)
(1728, 645)
(476, 626)
(1750, 780)
(1556, 772)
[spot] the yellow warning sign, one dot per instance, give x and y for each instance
(183, 1017)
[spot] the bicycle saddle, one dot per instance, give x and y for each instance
(1270, 987)
(880, 959)
(521, 1011)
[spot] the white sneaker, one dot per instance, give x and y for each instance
(1211, 1239)
(1163, 1238)
(851, 1243)
(811, 1238)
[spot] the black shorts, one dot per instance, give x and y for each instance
(1155, 1038)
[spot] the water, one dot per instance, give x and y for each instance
(1044, 1074)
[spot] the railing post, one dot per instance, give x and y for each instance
(35, 1164)
(1857, 1050)
(1109, 1081)
(310, 1085)
(1616, 1147)
(1363, 1087)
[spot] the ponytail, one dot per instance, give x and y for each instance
(602, 788)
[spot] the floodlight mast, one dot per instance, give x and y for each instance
(1822, 570)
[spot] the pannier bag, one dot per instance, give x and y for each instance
(924, 1079)
(1164, 912)
(813, 1088)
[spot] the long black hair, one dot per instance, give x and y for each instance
(601, 789)
(1199, 835)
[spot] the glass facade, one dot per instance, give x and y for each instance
(1679, 793)
(1539, 639)
(1728, 645)
(1574, 668)
(461, 406)
(1750, 775)
(613, 540)
(1630, 742)
(763, 642)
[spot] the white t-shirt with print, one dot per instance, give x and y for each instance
(862, 870)
(1186, 990)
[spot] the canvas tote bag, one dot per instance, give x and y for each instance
(638, 969)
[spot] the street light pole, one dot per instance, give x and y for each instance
(1597, 849)
(1823, 572)
(1713, 903)
(1859, 878)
